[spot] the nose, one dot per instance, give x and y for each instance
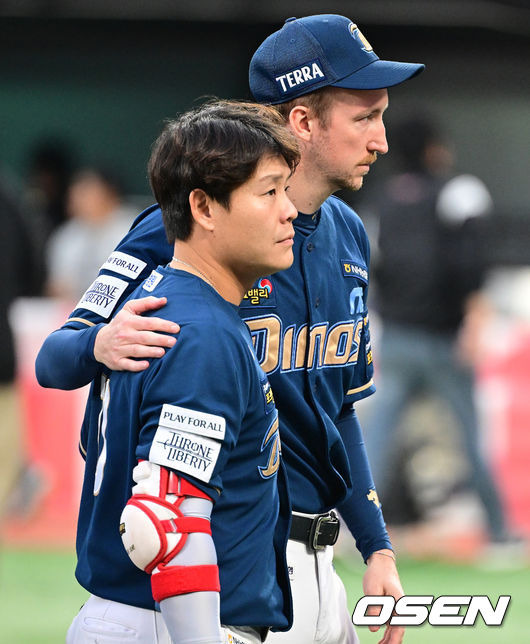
(379, 143)
(288, 212)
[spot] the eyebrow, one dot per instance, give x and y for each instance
(273, 177)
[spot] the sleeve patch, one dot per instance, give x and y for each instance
(152, 281)
(102, 295)
(184, 452)
(354, 269)
(193, 422)
(124, 264)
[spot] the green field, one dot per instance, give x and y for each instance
(39, 596)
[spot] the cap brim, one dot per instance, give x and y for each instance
(380, 74)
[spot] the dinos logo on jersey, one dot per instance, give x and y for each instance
(292, 349)
(260, 294)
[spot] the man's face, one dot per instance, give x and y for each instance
(343, 147)
(255, 234)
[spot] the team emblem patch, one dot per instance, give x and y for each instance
(260, 295)
(102, 295)
(357, 33)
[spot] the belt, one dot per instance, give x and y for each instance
(316, 532)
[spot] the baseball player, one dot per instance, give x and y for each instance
(309, 323)
(164, 517)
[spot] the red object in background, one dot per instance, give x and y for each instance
(504, 386)
(50, 420)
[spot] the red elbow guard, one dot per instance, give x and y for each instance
(169, 581)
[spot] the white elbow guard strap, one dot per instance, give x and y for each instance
(154, 529)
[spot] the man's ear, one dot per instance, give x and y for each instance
(201, 209)
(301, 122)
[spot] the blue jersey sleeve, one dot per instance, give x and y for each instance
(361, 510)
(193, 403)
(66, 358)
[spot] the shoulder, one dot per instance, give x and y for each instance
(201, 313)
(147, 226)
(344, 221)
(213, 343)
(342, 213)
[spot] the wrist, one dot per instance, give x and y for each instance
(384, 552)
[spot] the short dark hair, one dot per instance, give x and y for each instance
(318, 102)
(216, 148)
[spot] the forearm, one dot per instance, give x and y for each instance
(193, 618)
(66, 358)
(361, 510)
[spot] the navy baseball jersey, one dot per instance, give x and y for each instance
(206, 411)
(311, 333)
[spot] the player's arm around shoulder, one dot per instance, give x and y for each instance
(131, 339)
(71, 356)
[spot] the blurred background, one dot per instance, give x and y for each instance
(85, 88)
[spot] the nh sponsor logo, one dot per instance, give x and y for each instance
(354, 270)
(446, 610)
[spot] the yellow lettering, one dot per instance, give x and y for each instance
(271, 327)
(356, 339)
(338, 344)
(317, 333)
(287, 349)
(301, 344)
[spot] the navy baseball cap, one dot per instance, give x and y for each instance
(317, 51)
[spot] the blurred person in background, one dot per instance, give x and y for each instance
(428, 267)
(50, 169)
(19, 264)
(99, 217)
